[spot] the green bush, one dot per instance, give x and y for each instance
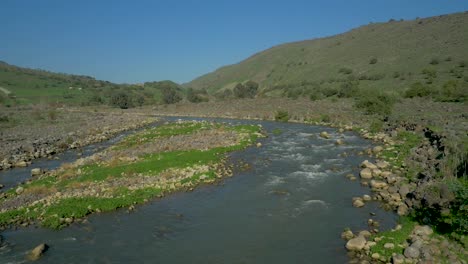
(325, 118)
(348, 89)
(282, 116)
(418, 90)
(247, 90)
(375, 103)
(170, 95)
(373, 61)
(121, 99)
(453, 91)
(434, 61)
(345, 70)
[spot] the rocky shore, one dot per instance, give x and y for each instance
(26, 140)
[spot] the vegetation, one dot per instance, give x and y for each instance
(246, 90)
(376, 103)
(282, 116)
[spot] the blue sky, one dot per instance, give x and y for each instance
(137, 41)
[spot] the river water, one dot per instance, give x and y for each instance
(290, 207)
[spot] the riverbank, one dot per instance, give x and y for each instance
(28, 133)
(147, 164)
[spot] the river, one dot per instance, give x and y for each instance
(290, 207)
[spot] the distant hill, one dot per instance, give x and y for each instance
(32, 86)
(391, 56)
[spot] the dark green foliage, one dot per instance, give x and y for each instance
(140, 100)
(396, 75)
(375, 103)
(348, 89)
(429, 73)
(325, 118)
(448, 58)
(196, 96)
(453, 91)
(462, 64)
(373, 61)
(418, 90)
(434, 61)
(121, 99)
(282, 116)
(247, 90)
(345, 70)
(170, 95)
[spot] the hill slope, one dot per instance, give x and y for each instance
(387, 55)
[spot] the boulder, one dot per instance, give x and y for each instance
(356, 244)
(402, 209)
(37, 252)
(366, 173)
(377, 149)
(19, 190)
(366, 198)
(404, 190)
(21, 164)
(358, 203)
(423, 230)
(347, 235)
(398, 259)
(365, 233)
(324, 134)
(378, 184)
(382, 164)
(367, 164)
(36, 171)
(339, 142)
(376, 172)
(259, 144)
(411, 252)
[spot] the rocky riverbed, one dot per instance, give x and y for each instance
(33, 133)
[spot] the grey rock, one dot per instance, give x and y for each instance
(411, 252)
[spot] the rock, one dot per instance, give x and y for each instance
(423, 230)
(366, 197)
(376, 172)
(356, 243)
(375, 256)
(404, 190)
(377, 149)
(259, 144)
(382, 164)
(366, 173)
(378, 184)
(398, 259)
(341, 130)
(402, 209)
(21, 164)
(389, 246)
(35, 171)
(411, 252)
(367, 164)
(19, 190)
(347, 235)
(1, 186)
(385, 174)
(339, 142)
(324, 134)
(37, 252)
(365, 233)
(358, 203)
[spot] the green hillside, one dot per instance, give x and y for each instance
(389, 56)
(20, 86)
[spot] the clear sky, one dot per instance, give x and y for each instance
(137, 41)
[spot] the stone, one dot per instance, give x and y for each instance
(339, 142)
(324, 134)
(378, 184)
(37, 252)
(398, 259)
(376, 172)
(259, 144)
(375, 256)
(367, 164)
(385, 174)
(366, 173)
(19, 190)
(377, 149)
(365, 233)
(423, 230)
(21, 164)
(382, 164)
(347, 235)
(358, 203)
(356, 244)
(411, 252)
(389, 245)
(36, 171)
(404, 190)
(402, 209)
(366, 197)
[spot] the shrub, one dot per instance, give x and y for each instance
(282, 116)
(453, 91)
(430, 73)
(247, 90)
(462, 64)
(373, 61)
(170, 95)
(375, 103)
(418, 90)
(396, 75)
(121, 99)
(325, 118)
(434, 61)
(448, 58)
(4, 119)
(194, 96)
(345, 70)
(348, 89)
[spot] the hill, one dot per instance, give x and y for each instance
(390, 56)
(20, 86)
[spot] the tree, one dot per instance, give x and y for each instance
(121, 99)
(247, 90)
(170, 95)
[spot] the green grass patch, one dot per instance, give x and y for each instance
(406, 140)
(397, 237)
